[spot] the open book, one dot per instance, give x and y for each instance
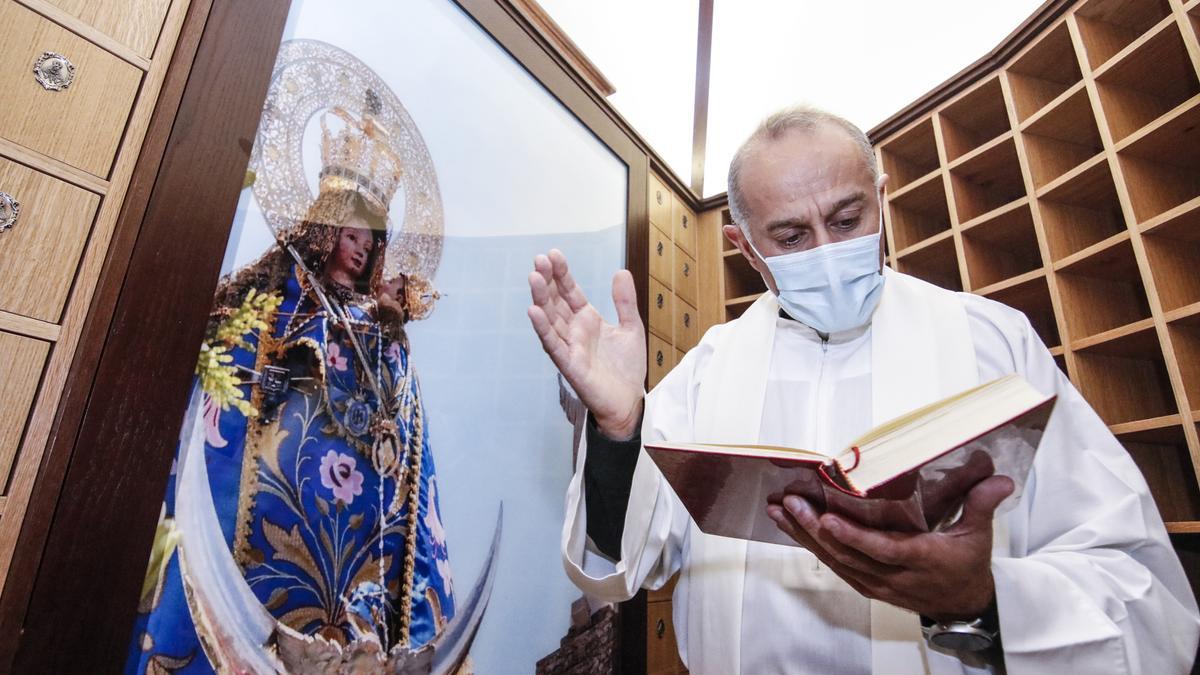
(909, 474)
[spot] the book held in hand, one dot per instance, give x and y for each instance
(909, 474)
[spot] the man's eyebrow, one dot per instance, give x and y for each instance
(786, 223)
(852, 200)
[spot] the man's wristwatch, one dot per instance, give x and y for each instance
(976, 635)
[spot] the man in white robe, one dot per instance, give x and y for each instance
(1077, 576)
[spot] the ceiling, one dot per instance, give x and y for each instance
(864, 60)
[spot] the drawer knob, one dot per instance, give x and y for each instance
(53, 71)
(658, 358)
(660, 628)
(687, 269)
(660, 248)
(687, 320)
(685, 222)
(10, 210)
(659, 301)
(658, 196)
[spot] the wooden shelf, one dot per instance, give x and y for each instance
(1062, 138)
(1080, 209)
(1001, 247)
(1029, 293)
(1161, 454)
(741, 279)
(737, 306)
(919, 212)
(1185, 339)
(1163, 429)
(1044, 72)
(935, 262)
(1125, 380)
(731, 252)
(1135, 340)
(1109, 26)
(1162, 163)
(1173, 252)
(987, 181)
(974, 119)
(1183, 527)
(910, 155)
(1147, 82)
(1102, 288)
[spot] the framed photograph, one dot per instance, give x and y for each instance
(373, 459)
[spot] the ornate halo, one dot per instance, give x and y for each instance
(313, 76)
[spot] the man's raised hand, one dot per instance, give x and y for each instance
(605, 364)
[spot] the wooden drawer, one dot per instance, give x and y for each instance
(684, 226)
(80, 125)
(23, 360)
(662, 652)
(40, 254)
(662, 310)
(662, 359)
(679, 354)
(687, 277)
(687, 325)
(660, 199)
(662, 256)
(134, 23)
(663, 594)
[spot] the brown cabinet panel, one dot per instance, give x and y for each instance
(687, 325)
(81, 124)
(662, 310)
(40, 254)
(662, 256)
(660, 199)
(23, 360)
(687, 277)
(662, 358)
(684, 224)
(662, 652)
(133, 23)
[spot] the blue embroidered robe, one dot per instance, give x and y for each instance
(299, 500)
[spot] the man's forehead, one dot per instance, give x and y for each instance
(823, 164)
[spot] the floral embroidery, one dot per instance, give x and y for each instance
(336, 359)
(212, 421)
(338, 474)
(393, 353)
(443, 568)
(432, 520)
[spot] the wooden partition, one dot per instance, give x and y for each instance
(1065, 181)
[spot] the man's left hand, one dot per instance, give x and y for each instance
(945, 575)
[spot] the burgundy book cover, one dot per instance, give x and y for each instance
(727, 494)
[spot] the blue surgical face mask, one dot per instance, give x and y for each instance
(831, 288)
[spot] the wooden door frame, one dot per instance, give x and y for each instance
(70, 597)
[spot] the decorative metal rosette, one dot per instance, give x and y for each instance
(311, 77)
(53, 71)
(10, 210)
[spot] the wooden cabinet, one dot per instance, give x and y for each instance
(80, 125)
(80, 81)
(662, 650)
(662, 358)
(684, 223)
(1066, 183)
(661, 202)
(687, 277)
(662, 310)
(40, 253)
(687, 325)
(662, 257)
(23, 361)
(133, 23)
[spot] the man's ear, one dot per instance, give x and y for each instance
(735, 235)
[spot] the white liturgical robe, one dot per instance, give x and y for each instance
(1086, 579)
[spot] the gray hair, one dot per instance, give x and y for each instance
(802, 118)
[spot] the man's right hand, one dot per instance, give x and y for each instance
(604, 364)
